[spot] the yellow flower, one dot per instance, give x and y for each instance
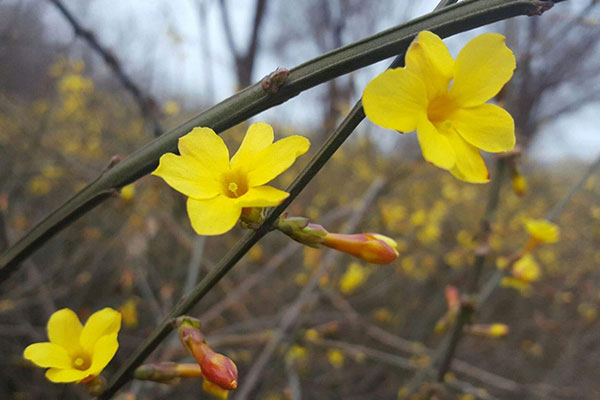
(336, 358)
(76, 353)
(526, 269)
(217, 188)
(452, 121)
(542, 230)
(354, 277)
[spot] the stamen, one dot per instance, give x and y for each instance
(79, 362)
(233, 188)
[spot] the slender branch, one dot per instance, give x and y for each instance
(460, 17)
(146, 103)
(448, 349)
(467, 309)
(394, 361)
(294, 310)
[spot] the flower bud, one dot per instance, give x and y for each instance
(299, 229)
(452, 297)
(216, 368)
(190, 336)
(518, 181)
(370, 247)
(252, 217)
(220, 370)
(494, 331)
(96, 385)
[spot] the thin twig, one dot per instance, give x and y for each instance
(294, 310)
(146, 103)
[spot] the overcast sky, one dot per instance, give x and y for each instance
(167, 36)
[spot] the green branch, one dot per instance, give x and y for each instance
(463, 16)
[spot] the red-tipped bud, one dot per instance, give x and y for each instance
(370, 247)
(220, 370)
(452, 297)
(189, 334)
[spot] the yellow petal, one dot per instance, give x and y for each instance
(435, 146)
(276, 158)
(543, 230)
(64, 329)
(481, 69)
(395, 99)
(429, 58)
(213, 216)
(57, 375)
(188, 176)
(487, 127)
(262, 196)
(101, 323)
(47, 354)
(104, 351)
(470, 166)
(258, 138)
(207, 148)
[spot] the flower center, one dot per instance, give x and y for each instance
(440, 108)
(235, 183)
(81, 362)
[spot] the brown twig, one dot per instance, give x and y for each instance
(146, 103)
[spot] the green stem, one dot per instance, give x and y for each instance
(460, 17)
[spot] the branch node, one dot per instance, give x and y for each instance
(540, 7)
(272, 82)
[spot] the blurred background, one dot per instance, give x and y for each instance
(82, 81)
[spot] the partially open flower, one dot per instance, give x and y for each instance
(370, 247)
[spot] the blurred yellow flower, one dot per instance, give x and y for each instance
(452, 121)
(129, 312)
(76, 353)
(171, 108)
(519, 184)
(526, 269)
(542, 230)
(296, 353)
(127, 192)
(336, 358)
(217, 188)
(354, 277)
